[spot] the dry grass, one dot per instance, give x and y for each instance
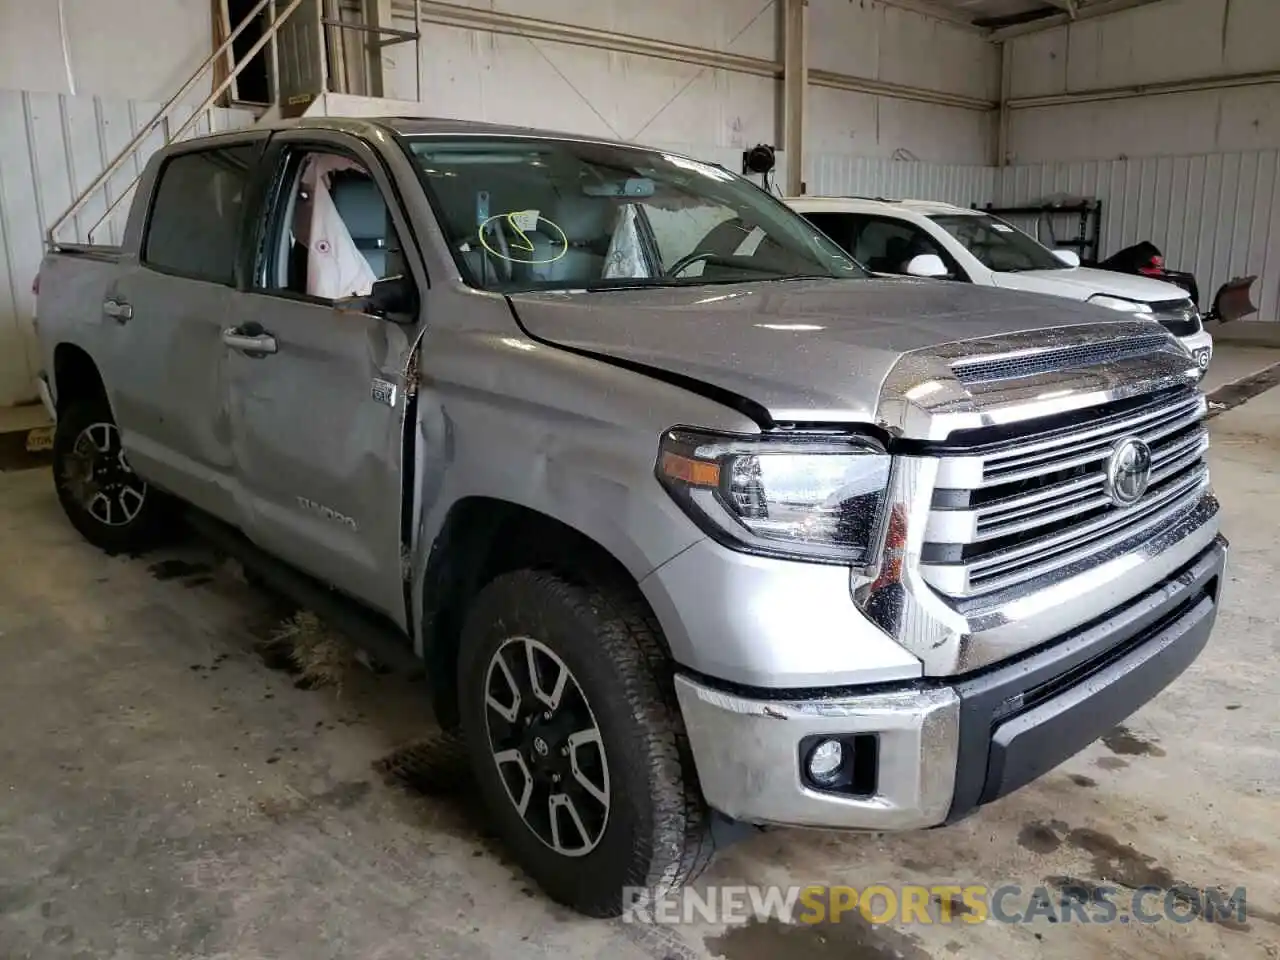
(322, 655)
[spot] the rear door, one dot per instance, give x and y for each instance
(163, 318)
(316, 394)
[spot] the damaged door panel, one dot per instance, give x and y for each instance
(315, 374)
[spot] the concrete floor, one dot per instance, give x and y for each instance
(165, 792)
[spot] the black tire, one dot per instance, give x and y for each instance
(656, 831)
(135, 514)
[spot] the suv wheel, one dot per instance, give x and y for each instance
(110, 505)
(577, 745)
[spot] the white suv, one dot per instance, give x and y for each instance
(926, 238)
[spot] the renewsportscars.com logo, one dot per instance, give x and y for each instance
(907, 904)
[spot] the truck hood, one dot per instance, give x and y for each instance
(1082, 283)
(805, 350)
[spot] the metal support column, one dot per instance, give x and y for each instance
(1006, 90)
(377, 14)
(795, 82)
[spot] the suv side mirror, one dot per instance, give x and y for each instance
(927, 265)
(395, 298)
(1069, 257)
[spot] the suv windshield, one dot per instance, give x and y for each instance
(534, 214)
(996, 244)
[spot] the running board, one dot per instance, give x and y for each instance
(381, 638)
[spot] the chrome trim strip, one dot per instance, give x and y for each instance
(954, 635)
(1040, 461)
(921, 397)
(1192, 409)
(1053, 504)
(993, 573)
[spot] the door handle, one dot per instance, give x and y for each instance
(253, 344)
(117, 310)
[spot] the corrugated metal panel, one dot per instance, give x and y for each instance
(51, 148)
(1215, 215)
(842, 175)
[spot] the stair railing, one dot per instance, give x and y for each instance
(165, 112)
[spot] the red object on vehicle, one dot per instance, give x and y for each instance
(1154, 267)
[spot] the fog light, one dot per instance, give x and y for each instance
(825, 762)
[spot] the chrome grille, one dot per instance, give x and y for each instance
(1009, 512)
(1066, 358)
(1179, 317)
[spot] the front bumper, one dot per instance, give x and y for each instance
(943, 749)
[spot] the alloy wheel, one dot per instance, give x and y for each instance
(99, 478)
(547, 746)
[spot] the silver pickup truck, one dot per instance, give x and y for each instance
(691, 522)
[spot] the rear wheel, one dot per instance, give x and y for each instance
(110, 505)
(576, 742)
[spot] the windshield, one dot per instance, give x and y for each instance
(997, 245)
(532, 214)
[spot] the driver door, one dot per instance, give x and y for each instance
(317, 393)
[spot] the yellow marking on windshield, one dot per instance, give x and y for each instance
(520, 222)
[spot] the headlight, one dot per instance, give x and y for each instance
(1119, 303)
(810, 498)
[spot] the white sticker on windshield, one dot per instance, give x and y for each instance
(524, 219)
(1002, 228)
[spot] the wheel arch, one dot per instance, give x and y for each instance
(76, 377)
(481, 539)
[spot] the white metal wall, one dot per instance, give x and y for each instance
(889, 44)
(479, 75)
(51, 147)
(119, 49)
(1216, 215)
(1174, 41)
(840, 175)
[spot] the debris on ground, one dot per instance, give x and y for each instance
(322, 655)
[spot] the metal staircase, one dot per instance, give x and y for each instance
(308, 47)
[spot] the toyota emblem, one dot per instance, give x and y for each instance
(1128, 472)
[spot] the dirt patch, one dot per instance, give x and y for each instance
(853, 938)
(341, 796)
(1040, 837)
(1119, 862)
(437, 769)
(1124, 741)
(176, 569)
(1080, 780)
(1111, 763)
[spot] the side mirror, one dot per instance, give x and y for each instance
(927, 265)
(395, 298)
(1069, 257)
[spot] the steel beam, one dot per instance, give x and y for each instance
(795, 83)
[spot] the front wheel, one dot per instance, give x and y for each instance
(110, 505)
(576, 742)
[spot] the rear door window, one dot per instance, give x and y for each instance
(840, 227)
(197, 213)
(887, 246)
